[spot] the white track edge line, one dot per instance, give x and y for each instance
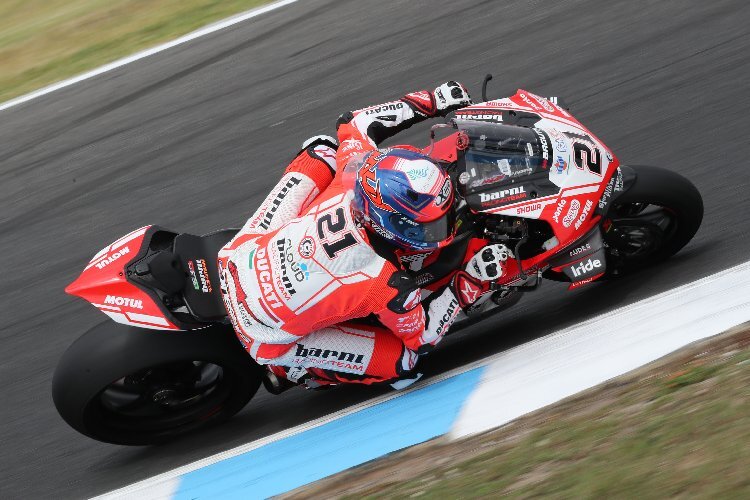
(175, 473)
(206, 30)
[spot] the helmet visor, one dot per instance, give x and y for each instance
(423, 232)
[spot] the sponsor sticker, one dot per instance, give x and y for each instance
(444, 194)
(329, 358)
(263, 272)
(393, 106)
(543, 142)
(529, 208)
(560, 165)
(558, 210)
(350, 144)
(289, 267)
(502, 196)
(532, 104)
(584, 214)
(193, 276)
(266, 218)
(115, 300)
(202, 271)
(543, 103)
(573, 210)
(586, 267)
(614, 185)
(306, 247)
(104, 263)
(580, 249)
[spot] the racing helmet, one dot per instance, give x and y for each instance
(406, 198)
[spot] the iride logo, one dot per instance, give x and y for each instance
(585, 267)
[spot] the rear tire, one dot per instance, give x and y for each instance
(132, 386)
(651, 221)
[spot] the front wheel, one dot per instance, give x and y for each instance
(131, 386)
(651, 221)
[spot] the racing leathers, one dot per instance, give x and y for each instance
(301, 273)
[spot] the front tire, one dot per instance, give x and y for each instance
(651, 221)
(132, 386)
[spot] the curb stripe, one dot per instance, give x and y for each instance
(164, 485)
(336, 446)
(537, 374)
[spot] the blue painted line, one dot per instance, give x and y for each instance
(354, 439)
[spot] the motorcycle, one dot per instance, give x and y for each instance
(526, 174)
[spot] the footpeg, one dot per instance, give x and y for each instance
(275, 384)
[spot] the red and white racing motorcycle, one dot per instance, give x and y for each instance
(527, 173)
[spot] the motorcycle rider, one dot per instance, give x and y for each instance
(326, 248)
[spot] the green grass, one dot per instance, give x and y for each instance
(687, 442)
(44, 41)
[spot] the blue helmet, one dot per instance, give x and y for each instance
(406, 198)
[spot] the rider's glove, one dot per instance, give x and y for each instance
(488, 263)
(486, 267)
(449, 96)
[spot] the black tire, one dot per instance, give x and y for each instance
(133, 386)
(651, 221)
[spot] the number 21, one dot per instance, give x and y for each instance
(327, 223)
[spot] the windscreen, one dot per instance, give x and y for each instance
(498, 153)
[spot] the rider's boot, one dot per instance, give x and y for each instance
(320, 140)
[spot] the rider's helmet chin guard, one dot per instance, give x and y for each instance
(403, 196)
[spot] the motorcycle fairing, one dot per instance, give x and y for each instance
(580, 168)
(104, 284)
(579, 164)
(583, 261)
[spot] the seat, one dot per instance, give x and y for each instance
(200, 291)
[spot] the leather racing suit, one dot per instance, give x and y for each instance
(301, 271)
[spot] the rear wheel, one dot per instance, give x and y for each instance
(657, 216)
(131, 386)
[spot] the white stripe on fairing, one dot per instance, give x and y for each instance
(564, 363)
(128, 237)
(581, 190)
(147, 318)
(132, 319)
(105, 306)
(206, 30)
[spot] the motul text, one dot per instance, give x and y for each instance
(123, 301)
(104, 263)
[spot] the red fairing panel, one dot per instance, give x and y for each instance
(103, 283)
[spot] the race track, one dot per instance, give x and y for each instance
(193, 138)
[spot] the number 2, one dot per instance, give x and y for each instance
(586, 158)
(583, 154)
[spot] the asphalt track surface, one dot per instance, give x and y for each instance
(193, 138)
